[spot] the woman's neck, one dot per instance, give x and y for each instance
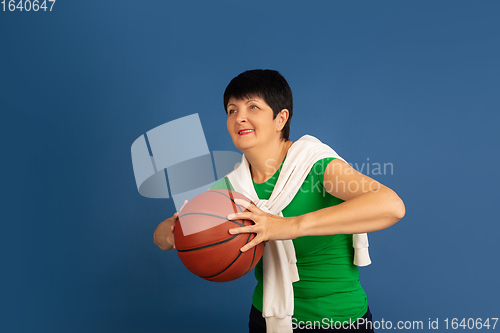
(265, 162)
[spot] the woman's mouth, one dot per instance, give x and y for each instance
(246, 131)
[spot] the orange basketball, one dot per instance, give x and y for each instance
(204, 243)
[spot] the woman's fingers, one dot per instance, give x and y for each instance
(242, 216)
(184, 204)
(242, 230)
(261, 227)
(248, 205)
(175, 218)
(245, 215)
(249, 245)
(242, 202)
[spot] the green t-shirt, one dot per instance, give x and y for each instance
(329, 285)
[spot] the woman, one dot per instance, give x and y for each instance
(329, 204)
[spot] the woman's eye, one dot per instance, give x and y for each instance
(231, 111)
(254, 107)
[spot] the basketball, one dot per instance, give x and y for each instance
(204, 243)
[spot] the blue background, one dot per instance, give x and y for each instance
(410, 83)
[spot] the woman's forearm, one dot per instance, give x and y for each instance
(368, 212)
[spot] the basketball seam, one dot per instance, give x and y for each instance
(241, 210)
(212, 215)
(209, 245)
(227, 267)
(253, 258)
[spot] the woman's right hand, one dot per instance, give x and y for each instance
(164, 233)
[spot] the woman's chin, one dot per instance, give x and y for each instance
(242, 143)
(243, 146)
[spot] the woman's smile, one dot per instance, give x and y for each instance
(246, 131)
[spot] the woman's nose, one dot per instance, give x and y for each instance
(241, 117)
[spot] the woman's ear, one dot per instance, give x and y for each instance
(282, 118)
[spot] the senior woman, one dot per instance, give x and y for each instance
(324, 202)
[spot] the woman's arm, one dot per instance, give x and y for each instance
(368, 206)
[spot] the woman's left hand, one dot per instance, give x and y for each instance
(266, 226)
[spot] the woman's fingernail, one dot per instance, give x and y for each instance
(231, 231)
(231, 216)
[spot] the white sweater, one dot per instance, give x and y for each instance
(279, 262)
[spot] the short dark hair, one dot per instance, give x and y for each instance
(267, 84)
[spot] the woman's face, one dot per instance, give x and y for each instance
(250, 123)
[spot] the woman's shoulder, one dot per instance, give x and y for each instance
(318, 168)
